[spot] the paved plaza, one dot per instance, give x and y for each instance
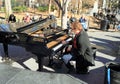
(108, 49)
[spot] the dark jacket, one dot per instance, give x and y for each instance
(82, 20)
(83, 52)
(12, 18)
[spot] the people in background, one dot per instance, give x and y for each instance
(40, 17)
(107, 23)
(80, 51)
(53, 25)
(118, 26)
(72, 19)
(114, 20)
(12, 18)
(35, 18)
(27, 18)
(83, 21)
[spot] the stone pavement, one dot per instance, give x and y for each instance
(108, 49)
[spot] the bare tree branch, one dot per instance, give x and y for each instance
(58, 3)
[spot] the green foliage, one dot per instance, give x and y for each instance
(2, 9)
(13, 3)
(43, 8)
(53, 8)
(20, 9)
(115, 4)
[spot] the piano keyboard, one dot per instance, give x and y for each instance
(60, 45)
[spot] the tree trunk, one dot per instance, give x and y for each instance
(8, 9)
(63, 4)
(60, 11)
(79, 6)
(64, 14)
(49, 10)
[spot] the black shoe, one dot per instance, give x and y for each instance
(38, 70)
(71, 71)
(82, 72)
(68, 71)
(85, 71)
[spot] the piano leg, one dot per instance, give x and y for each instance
(5, 46)
(50, 61)
(40, 63)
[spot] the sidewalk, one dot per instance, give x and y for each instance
(107, 44)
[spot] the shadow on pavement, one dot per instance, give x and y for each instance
(106, 52)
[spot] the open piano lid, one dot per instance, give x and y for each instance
(29, 28)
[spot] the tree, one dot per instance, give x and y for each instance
(63, 4)
(64, 13)
(49, 10)
(8, 9)
(79, 6)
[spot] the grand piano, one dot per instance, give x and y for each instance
(38, 38)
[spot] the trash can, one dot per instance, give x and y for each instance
(112, 73)
(95, 14)
(104, 25)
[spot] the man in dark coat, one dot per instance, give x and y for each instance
(81, 50)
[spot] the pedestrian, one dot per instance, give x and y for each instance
(12, 18)
(27, 18)
(80, 51)
(72, 19)
(83, 21)
(107, 24)
(118, 26)
(113, 20)
(40, 17)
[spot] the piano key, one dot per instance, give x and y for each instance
(60, 45)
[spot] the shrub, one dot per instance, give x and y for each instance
(43, 8)
(53, 8)
(20, 9)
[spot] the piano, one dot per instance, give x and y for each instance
(45, 41)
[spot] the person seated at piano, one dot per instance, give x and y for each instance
(80, 51)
